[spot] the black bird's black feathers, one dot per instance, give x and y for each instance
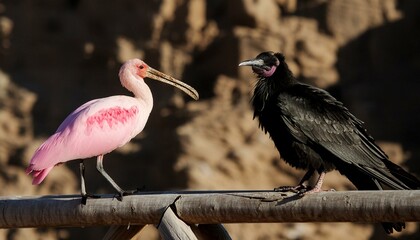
(312, 130)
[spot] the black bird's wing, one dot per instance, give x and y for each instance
(318, 120)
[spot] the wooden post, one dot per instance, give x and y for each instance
(173, 228)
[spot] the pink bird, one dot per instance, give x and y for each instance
(102, 125)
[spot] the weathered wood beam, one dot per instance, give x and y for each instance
(173, 228)
(208, 207)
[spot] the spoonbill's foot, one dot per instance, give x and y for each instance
(121, 194)
(88, 195)
(296, 189)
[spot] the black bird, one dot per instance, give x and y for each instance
(314, 131)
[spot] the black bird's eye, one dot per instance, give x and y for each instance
(141, 66)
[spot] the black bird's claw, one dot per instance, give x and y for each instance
(311, 190)
(296, 189)
(88, 195)
(302, 192)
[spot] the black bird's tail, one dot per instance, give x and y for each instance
(363, 181)
(410, 181)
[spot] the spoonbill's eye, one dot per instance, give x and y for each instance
(141, 67)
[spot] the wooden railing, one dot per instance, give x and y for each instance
(201, 212)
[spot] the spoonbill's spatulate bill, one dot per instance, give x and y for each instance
(314, 131)
(102, 125)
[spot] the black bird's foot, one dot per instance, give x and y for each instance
(313, 190)
(88, 195)
(306, 191)
(317, 188)
(296, 189)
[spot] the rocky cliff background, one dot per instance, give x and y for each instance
(57, 54)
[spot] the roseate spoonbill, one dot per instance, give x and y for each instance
(102, 125)
(314, 131)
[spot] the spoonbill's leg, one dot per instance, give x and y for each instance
(85, 195)
(100, 167)
(82, 178)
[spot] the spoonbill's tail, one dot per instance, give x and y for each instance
(38, 175)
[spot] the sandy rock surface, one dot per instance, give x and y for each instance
(56, 55)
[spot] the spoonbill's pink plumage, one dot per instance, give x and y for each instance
(102, 125)
(97, 127)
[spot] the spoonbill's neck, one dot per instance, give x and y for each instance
(138, 87)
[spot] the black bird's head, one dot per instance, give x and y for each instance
(265, 64)
(272, 71)
(273, 76)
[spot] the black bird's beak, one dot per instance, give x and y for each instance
(252, 63)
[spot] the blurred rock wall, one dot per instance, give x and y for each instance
(56, 55)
